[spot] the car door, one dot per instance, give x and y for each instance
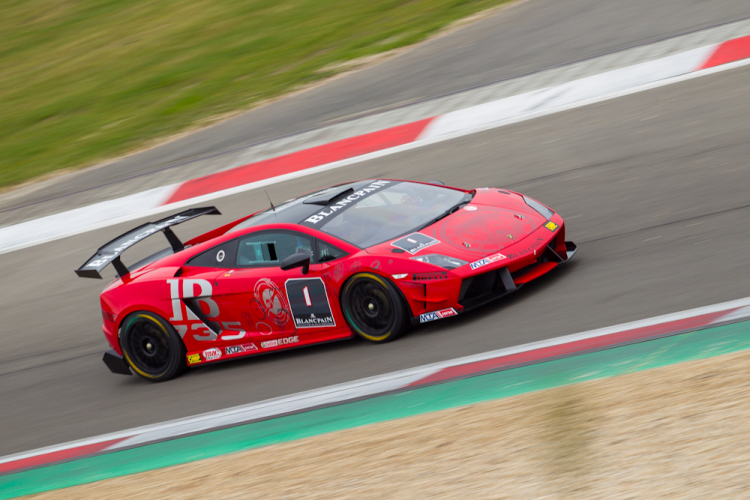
(196, 298)
(275, 307)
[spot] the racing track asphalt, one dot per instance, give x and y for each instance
(523, 38)
(653, 187)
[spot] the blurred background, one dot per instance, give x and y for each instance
(105, 99)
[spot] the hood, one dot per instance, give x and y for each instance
(478, 230)
(472, 232)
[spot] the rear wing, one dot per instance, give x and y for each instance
(110, 253)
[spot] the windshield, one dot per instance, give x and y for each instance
(394, 210)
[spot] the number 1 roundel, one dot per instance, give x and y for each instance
(308, 301)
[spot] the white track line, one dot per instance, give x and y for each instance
(515, 109)
(567, 94)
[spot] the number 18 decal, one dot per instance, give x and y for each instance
(308, 301)
(199, 291)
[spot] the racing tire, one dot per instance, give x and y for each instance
(373, 308)
(151, 347)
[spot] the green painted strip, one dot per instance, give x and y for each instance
(611, 362)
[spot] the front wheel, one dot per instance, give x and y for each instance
(152, 347)
(373, 308)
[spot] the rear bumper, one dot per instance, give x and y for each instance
(482, 288)
(116, 363)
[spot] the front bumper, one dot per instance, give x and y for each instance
(116, 363)
(485, 287)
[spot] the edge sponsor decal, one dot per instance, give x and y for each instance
(415, 242)
(487, 260)
(308, 301)
(193, 359)
(212, 354)
(341, 204)
(551, 225)
(279, 342)
(432, 316)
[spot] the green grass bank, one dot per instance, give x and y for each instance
(83, 81)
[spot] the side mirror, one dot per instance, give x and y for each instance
(301, 259)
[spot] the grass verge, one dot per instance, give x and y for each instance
(84, 81)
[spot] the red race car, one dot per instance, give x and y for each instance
(370, 258)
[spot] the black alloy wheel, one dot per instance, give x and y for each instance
(373, 308)
(152, 347)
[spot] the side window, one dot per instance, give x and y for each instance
(328, 252)
(268, 249)
(221, 256)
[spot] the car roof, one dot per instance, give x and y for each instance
(296, 210)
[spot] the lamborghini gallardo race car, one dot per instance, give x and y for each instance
(371, 258)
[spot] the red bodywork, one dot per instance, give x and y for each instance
(252, 305)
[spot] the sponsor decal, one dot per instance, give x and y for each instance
(272, 303)
(399, 276)
(269, 310)
(279, 342)
(551, 225)
(344, 202)
(437, 275)
(220, 256)
(487, 260)
(415, 242)
(193, 359)
(424, 318)
(235, 349)
(212, 354)
(447, 313)
(530, 249)
(470, 208)
(308, 301)
(432, 316)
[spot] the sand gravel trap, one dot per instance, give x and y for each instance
(681, 431)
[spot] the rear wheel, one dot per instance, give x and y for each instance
(373, 308)
(152, 347)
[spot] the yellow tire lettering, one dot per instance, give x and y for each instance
(132, 365)
(377, 278)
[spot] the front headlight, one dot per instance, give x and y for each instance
(546, 212)
(441, 260)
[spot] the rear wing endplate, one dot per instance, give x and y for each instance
(110, 253)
